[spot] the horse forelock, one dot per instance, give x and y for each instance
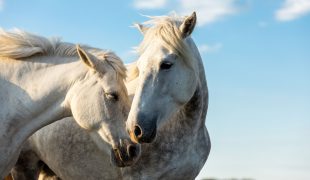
(166, 30)
(112, 60)
(18, 44)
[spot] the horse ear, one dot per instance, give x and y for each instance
(86, 57)
(141, 28)
(188, 25)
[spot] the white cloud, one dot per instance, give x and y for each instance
(292, 9)
(149, 4)
(205, 48)
(208, 11)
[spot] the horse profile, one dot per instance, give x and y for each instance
(167, 116)
(42, 81)
(169, 107)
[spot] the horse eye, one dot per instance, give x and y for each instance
(165, 65)
(112, 96)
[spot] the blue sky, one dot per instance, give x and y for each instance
(257, 60)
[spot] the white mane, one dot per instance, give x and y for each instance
(166, 29)
(19, 44)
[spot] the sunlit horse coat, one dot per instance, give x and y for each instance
(43, 80)
(167, 80)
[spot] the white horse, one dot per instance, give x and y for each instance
(42, 81)
(169, 108)
(167, 114)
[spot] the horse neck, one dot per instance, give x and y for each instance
(50, 78)
(39, 89)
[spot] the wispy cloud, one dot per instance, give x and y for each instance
(1, 4)
(292, 9)
(206, 48)
(149, 4)
(208, 11)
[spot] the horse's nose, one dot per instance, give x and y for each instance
(146, 135)
(138, 131)
(142, 128)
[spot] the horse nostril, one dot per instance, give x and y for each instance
(138, 131)
(131, 150)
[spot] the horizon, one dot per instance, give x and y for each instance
(256, 56)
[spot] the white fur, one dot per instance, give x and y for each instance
(182, 145)
(42, 81)
(176, 100)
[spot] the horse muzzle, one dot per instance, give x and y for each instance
(142, 135)
(143, 129)
(125, 154)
